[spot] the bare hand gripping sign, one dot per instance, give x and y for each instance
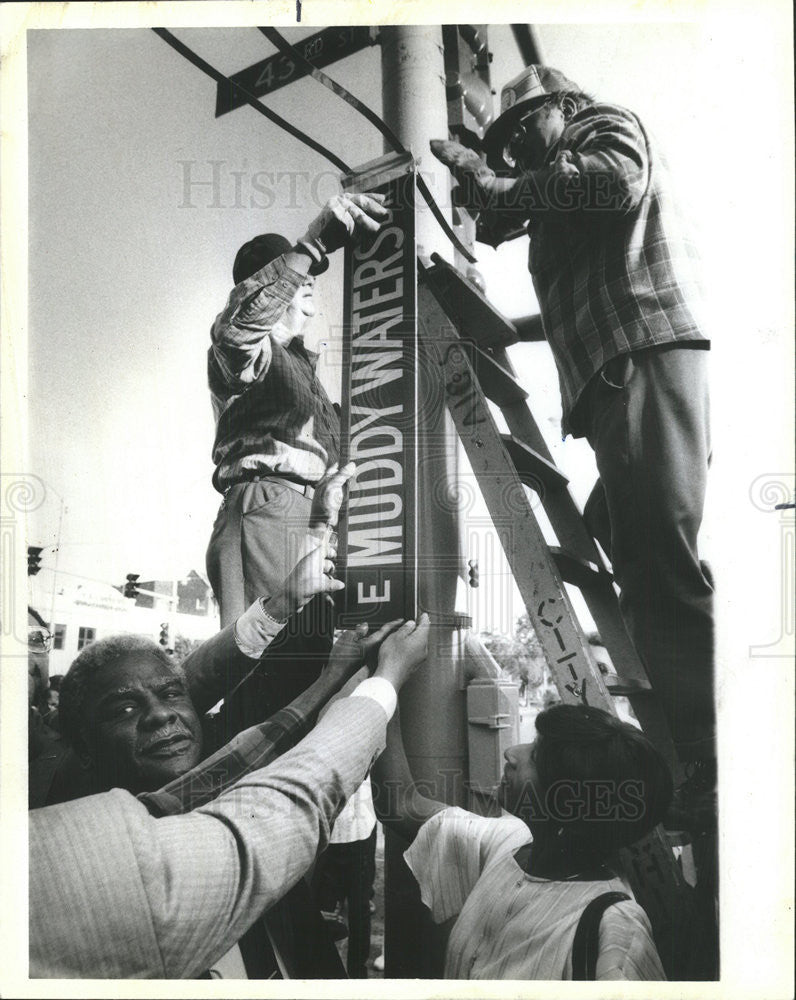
(377, 531)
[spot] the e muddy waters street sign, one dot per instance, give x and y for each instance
(379, 412)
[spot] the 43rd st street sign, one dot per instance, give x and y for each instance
(279, 70)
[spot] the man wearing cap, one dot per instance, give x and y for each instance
(614, 275)
(276, 429)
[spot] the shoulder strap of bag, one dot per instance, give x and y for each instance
(586, 945)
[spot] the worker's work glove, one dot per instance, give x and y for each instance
(344, 218)
(477, 181)
(564, 166)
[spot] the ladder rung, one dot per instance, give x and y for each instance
(473, 315)
(574, 570)
(529, 328)
(532, 467)
(626, 687)
(498, 384)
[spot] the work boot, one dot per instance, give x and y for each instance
(694, 804)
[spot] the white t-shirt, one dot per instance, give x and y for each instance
(512, 925)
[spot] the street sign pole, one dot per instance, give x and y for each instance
(433, 715)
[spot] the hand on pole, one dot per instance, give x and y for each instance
(403, 651)
(477, 180)
(355, 649)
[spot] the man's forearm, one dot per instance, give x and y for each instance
(597, 183)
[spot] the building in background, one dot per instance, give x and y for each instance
(79, 610)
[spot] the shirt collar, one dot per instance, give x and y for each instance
(297, 346)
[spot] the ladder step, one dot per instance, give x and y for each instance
(579, 572)
(626, 687)
(529, 328)
(498, 384)
(532, 467)
(473, 315)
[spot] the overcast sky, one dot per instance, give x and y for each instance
(126, 275)
(130, 257)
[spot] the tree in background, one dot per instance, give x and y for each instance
(521, 658)
(183, 646)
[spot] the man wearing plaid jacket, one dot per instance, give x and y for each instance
(276, 431)
(614, 274)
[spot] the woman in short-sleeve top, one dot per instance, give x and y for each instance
(518, 884)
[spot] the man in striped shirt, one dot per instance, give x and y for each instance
(614, 274)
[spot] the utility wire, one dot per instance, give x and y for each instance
(284, 46)
(250, 98)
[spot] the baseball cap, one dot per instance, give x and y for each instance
(261, 251)
(530, 87)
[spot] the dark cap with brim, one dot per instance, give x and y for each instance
(261, 251)
(529, 89)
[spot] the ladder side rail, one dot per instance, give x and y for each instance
(569, 656)
(572, 533)
(600, 597)
(650, 864)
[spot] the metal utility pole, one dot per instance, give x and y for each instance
(433, 703)
(413, 105)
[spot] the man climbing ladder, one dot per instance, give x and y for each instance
(614, 277)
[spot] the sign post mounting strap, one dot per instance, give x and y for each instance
(292, 53)
(247, 98)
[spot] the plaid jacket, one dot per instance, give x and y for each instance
(612, 266)
(272, 414)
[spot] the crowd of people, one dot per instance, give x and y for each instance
(168, 841)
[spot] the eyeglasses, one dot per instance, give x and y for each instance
(518, 136)
(40, 639)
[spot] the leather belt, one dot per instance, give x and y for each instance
(303, 488)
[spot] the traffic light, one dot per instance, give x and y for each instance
(34, 559)
(131, 587)
(468, 92)
(467, 84)
(473, 572)
(164, 633)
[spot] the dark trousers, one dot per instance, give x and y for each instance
(346, 872)
(646, 417)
